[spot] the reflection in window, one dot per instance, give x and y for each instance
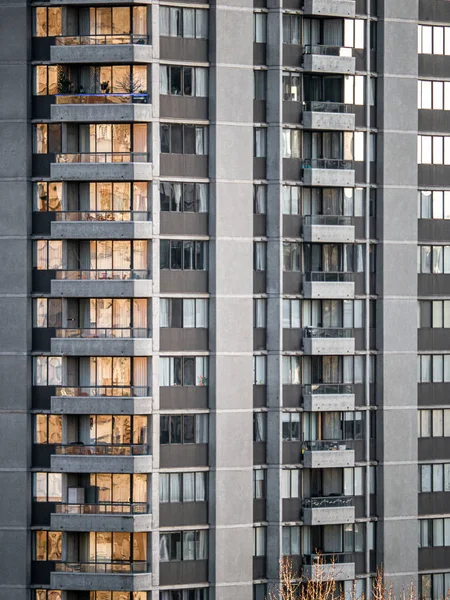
(183, 545)
(47, 370)
(47, 21)
(184, 429)
(47, 429)
(47, 487)
(47, 545)
(184, 197)
(188, 255)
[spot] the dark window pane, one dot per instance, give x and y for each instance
(189, 139)
(201, 260)
(177, 375)
(165, 138)
(164, 196)
(176, 139)
(286, 431)
(164, 254)
(177, 311)
(54, 138)
(189, 256)
(175, 546)
(175, 197)
(175, 81)
(164, 430)
(189, 197)
(175, 430)
(295, 430)
(189, 371)
(189, 429)
(187, 81)
(175, 255)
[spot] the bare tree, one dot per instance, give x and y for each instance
(130, 84)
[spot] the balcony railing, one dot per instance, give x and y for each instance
(328, 107)
(327, 559)
(327, 220)
(134, 508)
(102, 98)
(102, 215)
(327, 388)
(327, 163)
(328, 502)
(329, 276)
(325, 445)
(94, 40)
(327, 50)
(76, 449)
(102, 157)
(103, 274)
(327, 332)
(105, 332)
(102, 391)
(115, 566)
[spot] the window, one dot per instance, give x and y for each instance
(260, 142)
(47, 595)
(291, 314)
(434, 532)
(47, 545)
(336, 313)
(47, 196)
(183, 370)
(260, 84)
(183, 487)
(259, 258)
(184, 313)
(434, 478)
(434, 259)
(259, 427)
(48, 254)
(291, 86)
(47, 487)
(434, 586)
(434, 314)
(259, 199)
(334, 201)
(291, 29)
(291, 256)
(184, 139)
(183, 545)
(291, 143)
(119, 488)
(183, 81)
(433, 149)
(116, 79)
(47, 312)
(259, 370)
(183, 22)
(291, 370)
(259, 541)
(260, 28)
(290, 424)
(260, 591)
(259, 483)
(47, 138)
(260, 309)
(434, 40)
(433, 368)
(47, 370)
(353, 481)
(117, 595)
(190, 594)
(184, 429)
(291, 199)
(354, 90)
(290, 483)
(434, 204)
(434, 95)
(434, 423)
(117, 546)
(187, 255)
(291, 540)
(354, 33)
(47, 21)
(117, 429)
(45, 80)
(184, 197)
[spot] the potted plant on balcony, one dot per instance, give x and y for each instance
(65, 86)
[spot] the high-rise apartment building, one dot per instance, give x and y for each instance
(224, 296)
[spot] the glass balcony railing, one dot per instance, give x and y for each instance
(327, 220)
(102, 215)
(103, 508)
(103, 274)
(103, 157)
(329, 276)
(115, 566)
(328, 558)
(327, 332)
(102, 98)
(328, 107)
(94, 40)
(327, 50)
(79, 449)
(104, 332)
(327, 163)
(325, 445)
(328, 502)
(103, 391)
(327, 388)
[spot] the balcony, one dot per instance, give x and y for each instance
(127, 517)
(101, 108)
(326, 340)
(107, 225)
(101, 166)
(338, 567)
(328, 397)
(102, 458)
(103, 341)
(87, 400)
(328, 229)
(101, 283)
(328, 59)
(329, 285)
(331, 510)
(330, 8)
(114, 576)
(101, 49)
(328, 172)
(327, 454)
(328, 116)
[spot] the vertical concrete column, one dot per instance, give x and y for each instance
(15, 310)
(397, 288)
(231, 289)
(274, 221)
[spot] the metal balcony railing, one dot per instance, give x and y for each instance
(327, 332)
(328, 502)
(134, 508)
(325, 445)
(78, 449)
(327, 220)
(327, 388)
(102, 215)
(104, 332)
(94, 40)
(324, 106)
(102, 391)
(327, 163)
(102, 157)
(125, 98)
(327, 559)
(103, 274)
(329, 276)
(114, 566)
(327, 50)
